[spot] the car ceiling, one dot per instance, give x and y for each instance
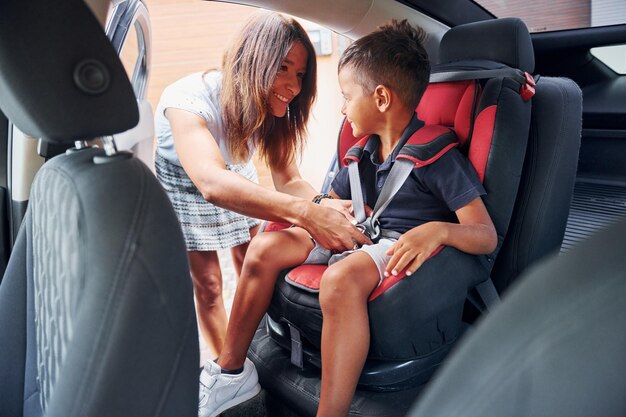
(451, 12)
(354, 19)
(562, 53)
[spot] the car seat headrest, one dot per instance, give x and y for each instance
(69, 83)
(490, 40)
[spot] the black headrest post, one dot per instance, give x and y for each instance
(60, 78)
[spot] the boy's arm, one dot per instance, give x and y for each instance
(473, 234)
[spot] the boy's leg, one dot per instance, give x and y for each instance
(268, 254)
(345, 288)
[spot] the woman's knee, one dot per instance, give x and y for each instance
(208, 286)
(207, 279)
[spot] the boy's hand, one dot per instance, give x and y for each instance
(413, 248)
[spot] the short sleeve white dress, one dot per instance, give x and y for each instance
(205, 226)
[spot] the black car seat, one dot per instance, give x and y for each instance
(96, 305)
(545, 194)
(483, 93)
(555, 347)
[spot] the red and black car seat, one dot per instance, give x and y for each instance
(415, 321)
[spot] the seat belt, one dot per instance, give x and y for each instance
(420, 149)
(398, 174)
(462, 75)
(526, 81)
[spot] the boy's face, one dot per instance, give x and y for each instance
(359, 107)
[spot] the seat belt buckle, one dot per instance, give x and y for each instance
(296, 347)
(370, 228)
(527, 90)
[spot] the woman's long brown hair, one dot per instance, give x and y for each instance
(250, 67)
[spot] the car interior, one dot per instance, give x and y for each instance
(97, 314)
(491, 117)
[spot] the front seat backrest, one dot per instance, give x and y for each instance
(96, 305)
(543, 200)
(554, 347)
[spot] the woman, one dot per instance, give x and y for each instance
(209, 125)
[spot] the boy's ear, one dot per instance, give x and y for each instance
(382, 95)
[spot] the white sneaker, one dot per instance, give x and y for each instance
(219, 392)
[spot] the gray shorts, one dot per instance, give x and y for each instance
(377, 251)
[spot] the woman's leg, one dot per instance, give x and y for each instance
(344, 291)
(207, 285)
(237, 253)
(268, 254)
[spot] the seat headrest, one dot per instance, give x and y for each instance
(60, 78)
(505, 40)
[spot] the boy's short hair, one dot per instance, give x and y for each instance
(394, 56)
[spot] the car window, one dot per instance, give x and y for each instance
(613, 56)
(550, 15)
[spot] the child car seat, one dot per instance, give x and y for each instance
(415, 321)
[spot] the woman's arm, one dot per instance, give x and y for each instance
(287, 180)
(201, 158)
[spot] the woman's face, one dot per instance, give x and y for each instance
(288, 82)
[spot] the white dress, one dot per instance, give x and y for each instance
(205, 226)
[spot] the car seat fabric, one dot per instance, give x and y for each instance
(416, 321)
(96, 304)
(541, 210)
(504, 40)
(111, 304)
(554, 348)
(13, 331)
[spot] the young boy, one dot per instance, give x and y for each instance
(382, 77)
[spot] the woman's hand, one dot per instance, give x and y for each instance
(332, 229)
(414, 247)
(342, 206)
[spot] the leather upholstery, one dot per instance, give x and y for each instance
(96, 305)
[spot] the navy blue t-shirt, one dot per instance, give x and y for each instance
(430, 193)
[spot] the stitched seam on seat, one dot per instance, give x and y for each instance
(111, 312)
(175, 366)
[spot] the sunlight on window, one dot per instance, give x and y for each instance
(613, 56)
(549, 15)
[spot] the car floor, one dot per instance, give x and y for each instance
(595, 206)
